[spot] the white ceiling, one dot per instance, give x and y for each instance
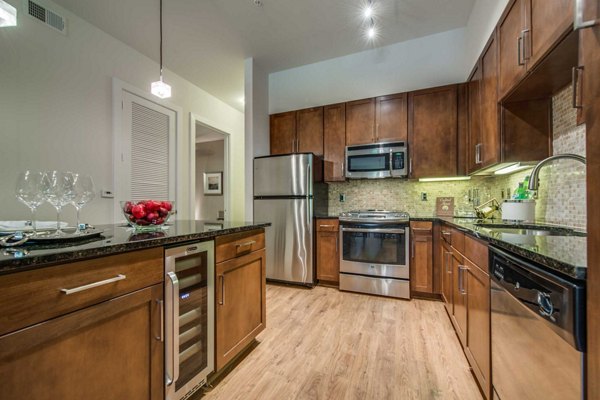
(206, 41)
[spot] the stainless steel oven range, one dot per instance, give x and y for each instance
(374, 252)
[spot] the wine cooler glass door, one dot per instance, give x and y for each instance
(190, 334)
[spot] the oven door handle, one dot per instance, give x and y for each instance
(374, 230)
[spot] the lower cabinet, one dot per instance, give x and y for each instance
(466, 294)
(421, 257)
(240, 298)
(328, 251)
(112, 350)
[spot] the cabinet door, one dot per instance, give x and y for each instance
(489, 151)
(447, 278)
(588, 88)
(478, 325)
(240, 302)
(360, 122)
(433, 132)
(328, 254)
(510, 41)
(459, 297)
(283, 133)
(309, 130)
(474, 142)
(334, 142)
(391, 113)
(112, 350)
(549, 20)
(421, 268)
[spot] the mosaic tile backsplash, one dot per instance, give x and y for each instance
(561, 196)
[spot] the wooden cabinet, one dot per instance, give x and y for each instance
(240, 295)
(445, 254)
(360, 122)
(490, 144)
(548, 21)
(459, 296)
(283, 132)
(432, 131)
(421, 256)
(309, 131)
(478, 319)
(512, 30)
(297, 131)
(328, 251)
(96, 343)
(474, 132)
(334, 142)
(391, 118)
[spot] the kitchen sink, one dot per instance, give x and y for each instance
(531, 229)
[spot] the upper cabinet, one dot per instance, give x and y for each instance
(309, 130)
(489, 150)
(432, 132)
(283, 132)
(334, 142)
(297, 131)
(474, 124)
(391, 118)
(548, 21)
(360, 122)
(527, 32)
(512, 32)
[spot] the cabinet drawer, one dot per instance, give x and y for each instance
(421, 227)
(477, 252)
(238, 244)
(31, 297)
(328, 225)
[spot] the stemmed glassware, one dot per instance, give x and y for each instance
(58, 189)
(29, 192)
(84, 193)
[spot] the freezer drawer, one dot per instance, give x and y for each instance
(372, 285)
(289, 240)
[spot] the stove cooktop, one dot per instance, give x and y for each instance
(375, 216)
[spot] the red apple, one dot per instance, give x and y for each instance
(167, 205)
(138, 211)
(163, 212)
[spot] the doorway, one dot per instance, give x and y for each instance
(211, 172)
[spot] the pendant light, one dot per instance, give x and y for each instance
(159, 88)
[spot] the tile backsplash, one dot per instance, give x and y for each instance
(561, 195)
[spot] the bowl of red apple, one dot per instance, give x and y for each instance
(147, 214)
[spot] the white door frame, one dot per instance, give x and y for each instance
(118, 88)
(194, 119)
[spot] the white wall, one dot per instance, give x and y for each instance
(483, 19)
(429, 61)
(256, 123)
(209, 158)
(56, 110)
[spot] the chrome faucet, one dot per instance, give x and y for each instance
(534, 178)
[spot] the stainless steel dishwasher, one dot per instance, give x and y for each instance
(538, 331)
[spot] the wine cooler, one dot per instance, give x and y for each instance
(189, 316)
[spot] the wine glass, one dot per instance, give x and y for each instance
(29, 192)
(59, 190)
(84, 193)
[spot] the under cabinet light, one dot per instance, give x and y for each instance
(450, 178)
(8, 14)
(512, 168)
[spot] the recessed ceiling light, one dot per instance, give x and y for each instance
(257, 3)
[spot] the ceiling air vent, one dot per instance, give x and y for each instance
(47, 16)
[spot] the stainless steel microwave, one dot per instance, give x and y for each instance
(378, 160)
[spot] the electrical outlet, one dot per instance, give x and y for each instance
(342, 197)
(423, 196)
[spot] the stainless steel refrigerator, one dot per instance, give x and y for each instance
(288, 189)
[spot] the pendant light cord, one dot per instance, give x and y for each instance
(161, 39)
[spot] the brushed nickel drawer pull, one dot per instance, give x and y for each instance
(326, 226)
(247, 244)
(117, 278)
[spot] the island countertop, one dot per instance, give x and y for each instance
(118, 238)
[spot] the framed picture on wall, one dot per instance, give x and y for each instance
(213, 183)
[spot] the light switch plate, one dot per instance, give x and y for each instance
(107, 194)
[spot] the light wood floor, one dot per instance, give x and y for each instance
(326, 344)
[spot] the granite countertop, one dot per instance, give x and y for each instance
(564, 254)
(116, 239)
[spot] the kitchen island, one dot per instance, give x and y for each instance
(73, 317)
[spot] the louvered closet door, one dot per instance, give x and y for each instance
(147, 159)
